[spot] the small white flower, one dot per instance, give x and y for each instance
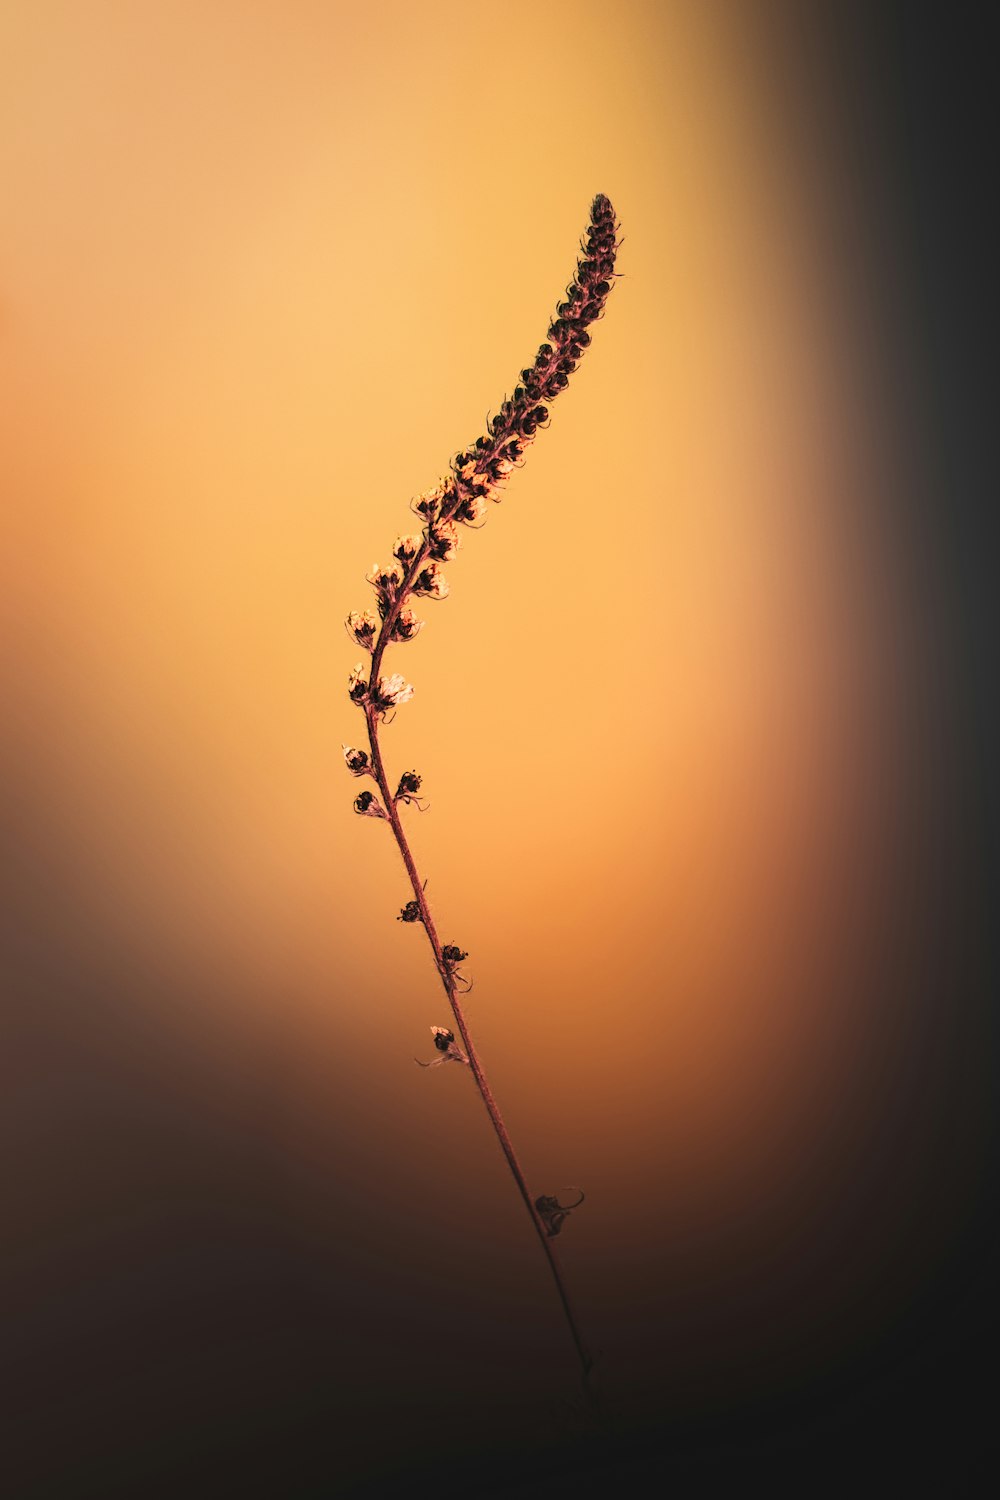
(394, 690)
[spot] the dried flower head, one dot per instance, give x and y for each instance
(435, 501)
(386, 582)
(553, 1213)
(453, 954)
(444, 1042)
(472, 509)
(357, 684)
(431, 582)
(409, 783)
(357, 761)
(410, 913)
(368, 805)
(442, 540)
(406, 625)
(406, 548)
(362, 627)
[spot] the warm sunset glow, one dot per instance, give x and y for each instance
(265, 269)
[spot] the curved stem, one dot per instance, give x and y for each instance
(448, 981)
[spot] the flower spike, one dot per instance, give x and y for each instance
(476, 476)
(481, 469)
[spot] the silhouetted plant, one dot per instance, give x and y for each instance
(460, 498)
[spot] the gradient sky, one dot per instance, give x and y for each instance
(700, 727)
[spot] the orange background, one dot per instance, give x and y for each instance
(265, 268)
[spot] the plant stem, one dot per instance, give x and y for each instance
(448, 981)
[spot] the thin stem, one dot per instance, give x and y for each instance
(448, 981)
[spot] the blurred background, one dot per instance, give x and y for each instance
(707, 727)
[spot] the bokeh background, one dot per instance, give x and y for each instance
(706, 728)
